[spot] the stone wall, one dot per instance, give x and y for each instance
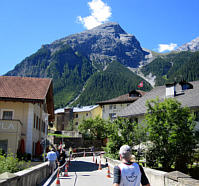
(161, 178)
(30, 177)
(177, 178)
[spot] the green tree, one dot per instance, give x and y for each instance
(171, 130)
(95, 128)
(121, 131)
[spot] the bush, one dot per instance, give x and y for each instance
(8, 163)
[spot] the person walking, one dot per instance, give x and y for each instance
(129, 173)
(52, 158)
(70, 152)
(62, 161)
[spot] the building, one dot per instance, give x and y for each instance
(85, 112)
(63, 119)
(111, 107)
(26, 107)
(186, 93)
(68, 119)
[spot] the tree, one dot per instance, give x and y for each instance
(121, 131)
(171, 130)
(95, 128)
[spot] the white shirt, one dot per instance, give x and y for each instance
(130, 174)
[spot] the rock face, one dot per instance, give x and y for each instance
(105, 43)
(192, 46)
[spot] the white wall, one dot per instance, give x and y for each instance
(112, 108)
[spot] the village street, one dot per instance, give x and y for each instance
(84, 172)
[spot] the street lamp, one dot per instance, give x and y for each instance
(46, 129)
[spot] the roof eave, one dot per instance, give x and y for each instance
(116, 102)
(21, 100)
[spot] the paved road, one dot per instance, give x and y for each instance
(83, 172)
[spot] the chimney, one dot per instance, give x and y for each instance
(170, 90)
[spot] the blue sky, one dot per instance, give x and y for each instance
(25, 25)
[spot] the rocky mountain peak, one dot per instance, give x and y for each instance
(192, 46)
(105, 43)
(110, 27)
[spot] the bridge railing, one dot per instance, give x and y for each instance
(31, 176)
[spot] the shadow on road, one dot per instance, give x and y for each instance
(82, 166)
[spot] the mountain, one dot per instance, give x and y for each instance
(83, 66)
(103, 63)
(173, 67)
(192, 46)
(114, 81)
(103, 44)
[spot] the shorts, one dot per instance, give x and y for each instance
(52, 164)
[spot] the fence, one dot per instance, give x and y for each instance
(161, 178)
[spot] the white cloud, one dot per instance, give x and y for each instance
(100, 13)
(166, 47)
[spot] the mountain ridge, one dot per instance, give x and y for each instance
(192, 46)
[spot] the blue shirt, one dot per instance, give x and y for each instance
(51, 156)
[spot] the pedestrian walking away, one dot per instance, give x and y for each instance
(92, 149)
(52, 158)
(129, 173)
(62, 160)
(70, 152)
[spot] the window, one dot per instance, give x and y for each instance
(4, 146)
(33, 148)
(110, 107)
(114, 106)
(186, 85)
(133, 95)
(76, 123)
(112, 115)
(34, 122)
(86, 114)
(76, 115)
(7, 115)
(37, 122)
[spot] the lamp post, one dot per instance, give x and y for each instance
(46, 128)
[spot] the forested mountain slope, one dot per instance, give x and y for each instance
(174, 67)
(114, 81)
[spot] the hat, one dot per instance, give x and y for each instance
(125, 152)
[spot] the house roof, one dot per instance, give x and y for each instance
(189, 98)
(84, 108)
(78, 109)
(58, 111)
(125, 98)
(28, 89)
(24, 87)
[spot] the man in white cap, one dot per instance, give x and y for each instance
(128, 173)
